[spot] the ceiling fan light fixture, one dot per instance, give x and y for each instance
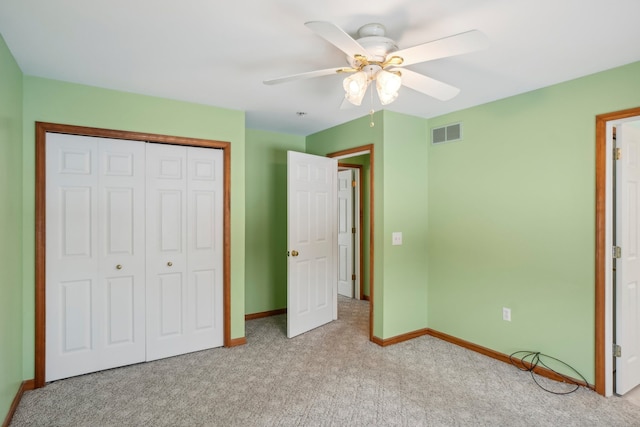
(387, 85)
(355, 87)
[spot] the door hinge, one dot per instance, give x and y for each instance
(617, 252)
(353, 184)
(353, 230)
(618, 153)
(617, 350)
(353, 277)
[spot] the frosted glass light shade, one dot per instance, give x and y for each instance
(387, 85)
(355, 87)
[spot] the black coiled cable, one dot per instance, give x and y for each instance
(532, 359)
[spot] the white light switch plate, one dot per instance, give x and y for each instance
(396, 238)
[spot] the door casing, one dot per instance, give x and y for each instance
(603, 282)
(356, 171)
(358, 241)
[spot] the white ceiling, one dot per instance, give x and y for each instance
(218, 52)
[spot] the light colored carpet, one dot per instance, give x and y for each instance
(633, 396)
(331, 376)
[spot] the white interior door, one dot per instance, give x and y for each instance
(345, 234)
(627, 294)
(95, 254)
(184, 249)
(312, 242)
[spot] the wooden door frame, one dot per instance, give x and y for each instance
(360, 214)
(365, 149)
(40, 230)
(601, 232)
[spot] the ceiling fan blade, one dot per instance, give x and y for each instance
(458, 44)
(302, 76)
(428, 86)
(337, 37)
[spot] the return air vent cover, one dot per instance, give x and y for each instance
(446, 133)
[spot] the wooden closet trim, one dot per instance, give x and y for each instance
(40, 232)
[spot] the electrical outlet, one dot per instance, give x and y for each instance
(506, 314)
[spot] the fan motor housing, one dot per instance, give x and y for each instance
(372, 38)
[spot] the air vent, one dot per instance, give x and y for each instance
(447, 133)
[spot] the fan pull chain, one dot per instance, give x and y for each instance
(371, 123)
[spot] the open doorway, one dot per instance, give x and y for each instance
(363, 157)
(350, 226)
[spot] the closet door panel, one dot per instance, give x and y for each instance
(205, 245)
(170, 298)
(119, 221)
(171, 212)
(167, 291)
(205, 300)
(184, 196)
(122, 250)
(121, 313)
(76, 221)
(71, 255)
(93, 319)
(75, 308)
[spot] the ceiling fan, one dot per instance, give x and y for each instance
(375, 57)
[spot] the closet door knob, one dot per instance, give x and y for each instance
(119, 267)
(169, 263)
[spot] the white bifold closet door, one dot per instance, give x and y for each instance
(95, 254)
(184, 250)
(134, 252)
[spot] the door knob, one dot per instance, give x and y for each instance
(119, 267)
(169, 263)
(294, 253)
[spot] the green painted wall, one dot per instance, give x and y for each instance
(266, 218)
(350, 135)
(400, 204)
(59, 102)
(512, 218)
(405, 210)
(10, 228)
(355, 134)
